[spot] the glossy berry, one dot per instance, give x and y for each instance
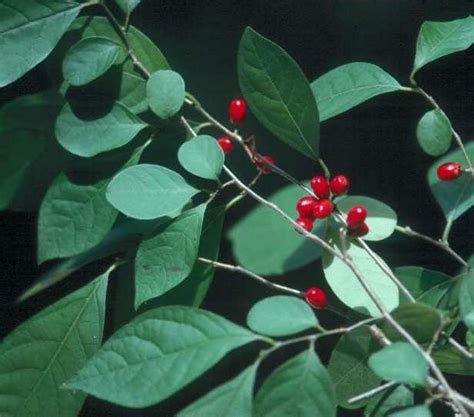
(322, 209)
(226, 144)
(263, 166)
(449, 171)
(305, 207)
(320, 187)
(360, 231)
(237, 110)
(339, 185)
(305, 223)
(356, 217)
(316, 298)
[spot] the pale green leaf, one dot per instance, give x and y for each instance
(434, 133)
(202, 156)
(418, 411)
(128, 6)
(165, 92)
(466, 299)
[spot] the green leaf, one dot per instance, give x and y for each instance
(454, 197)
(157, 354)
(128, 6)
(48, 349)
(253, 237)
(390, 400)
(466, 299)
(350, 291)
(420, 320)
(400, 362)
(30, 29)
(232, 399)
(281, 315)
(301, 384)
(348, 367)
(166, 259)
(349, 85)
(451, 361)
(202, 156)
(381, 218)
(148, 191)
(418, 411)
(438, 39)
(278, 93)
(470, 339)
(434, 133)
(165, 92)
(89, 59)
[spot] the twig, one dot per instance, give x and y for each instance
(372, 392)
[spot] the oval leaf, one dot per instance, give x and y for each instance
(434, 133)
(165, 92)
(148, 191)
(389, 401)
(128, 6)
(160, 351)
(451, 361)
(202, 156)
(349, 85)
(466, 299)
(278, 93)
(418, 411)
(281, 316)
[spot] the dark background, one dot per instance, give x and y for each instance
(374, 143)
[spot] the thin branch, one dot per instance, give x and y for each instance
(372, 392)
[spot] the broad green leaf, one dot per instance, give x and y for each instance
(165, 92)
(48, 349)
(301, 385)
(90, 137)
(400, 362)
(451, 361)
(148, 191)
(466, 299)
(454, 197)
(381, 218)
(128, 6)
(253, 238)
(390, 400)
(132, 92)
(434, 133)
(278, 93)
(166, 259)
(281, 315)
(420, 320)
(29, 30)
(202, 156)
(438, 39)
(349, 85)
(89, 59)
(232, 399)
(157, 354)
(348, 367)
(350, 291)
(418, 411)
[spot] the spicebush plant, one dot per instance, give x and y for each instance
(140, 181)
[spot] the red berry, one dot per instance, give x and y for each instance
(320, 187)
(305, 207)
(360, 231)
(262, 165)
(225, 142)
(316, 298)
(339, 185)
(305, 223)
(322, 209)
(449, 171)
(356, 217)
(237, 110)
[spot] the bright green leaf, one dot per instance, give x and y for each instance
(165, 92)
(466, 299)
(451, 361)
(157, 354)
(128, 6)
(418, 411)
(232, 399)
(29, 30)
(400, 362)
(278, 93)
(301, 384)
(281, 315)
(381, 218)
(349, 85)
(434, 133)
(253, 238)
(148, 191)
(47, 350)
(390, 400)
(166, 259)
(438, 39)
(348, 367)
(202, 156)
